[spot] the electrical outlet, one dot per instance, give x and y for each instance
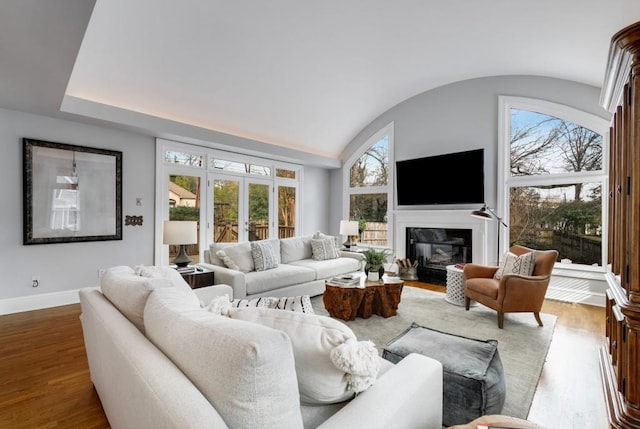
(35, 281)
(101, 272)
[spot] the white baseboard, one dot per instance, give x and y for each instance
(37, 302)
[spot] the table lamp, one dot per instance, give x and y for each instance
(180, 232)
(348, 228)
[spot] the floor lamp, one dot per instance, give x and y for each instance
(485, 213)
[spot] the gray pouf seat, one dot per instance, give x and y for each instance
(473, 377)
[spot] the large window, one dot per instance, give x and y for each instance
(233, 197)
(553, 167)
(368, 182)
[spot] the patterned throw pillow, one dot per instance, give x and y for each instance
(295, 303)
(513, 264)
(302, 304)
(264, 255)
(291, 303)
(268, 302)
(323, 249)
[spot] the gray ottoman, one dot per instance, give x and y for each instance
(473, 378)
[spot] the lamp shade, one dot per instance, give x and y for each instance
(180, 232)
(482, 214)
(349, 227)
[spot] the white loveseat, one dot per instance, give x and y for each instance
(296, 273)
(185, 367)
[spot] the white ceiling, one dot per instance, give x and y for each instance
(300, 74)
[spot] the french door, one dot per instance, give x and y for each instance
(242, 208)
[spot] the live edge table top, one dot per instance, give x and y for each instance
(349, 302)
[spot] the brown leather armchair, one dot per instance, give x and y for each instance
(513, 292)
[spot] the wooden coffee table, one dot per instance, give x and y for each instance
(349, 302)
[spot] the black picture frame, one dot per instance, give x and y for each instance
(70, 193)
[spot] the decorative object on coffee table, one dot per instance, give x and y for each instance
(374, 260)
(349, 302)
(474, 381)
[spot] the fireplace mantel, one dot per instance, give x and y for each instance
(460, 219)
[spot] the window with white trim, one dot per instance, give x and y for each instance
(368, 179)
(233, 197)
(553, 165)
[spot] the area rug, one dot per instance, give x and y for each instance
(522, 344)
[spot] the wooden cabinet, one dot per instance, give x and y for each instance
(620, 357)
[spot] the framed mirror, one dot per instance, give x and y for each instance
(71, 193)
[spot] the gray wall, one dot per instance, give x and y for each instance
(463, 116)
(314, 207)
(70, 266)
(454, 117)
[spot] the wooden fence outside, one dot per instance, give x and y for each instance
(375, 233)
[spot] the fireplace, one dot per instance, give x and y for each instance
(435, 248)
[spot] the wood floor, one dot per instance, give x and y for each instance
(44, 376)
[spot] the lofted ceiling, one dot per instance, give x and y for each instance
(295, 74)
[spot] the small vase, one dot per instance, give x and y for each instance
(374, 274)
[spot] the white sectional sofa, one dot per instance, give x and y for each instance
(298, 270)
(158, 359)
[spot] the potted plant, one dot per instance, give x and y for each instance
(374, 263)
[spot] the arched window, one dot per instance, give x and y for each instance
(368, 179)
(553, 165)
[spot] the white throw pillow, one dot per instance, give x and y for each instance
(237, 257)
(246, 371)
(359, 359)
(213, 250)
(150, 271)
(513, 264)
(313, 338)
(128, 291)
(295, 248)
(264, 255)
(323, 249)
(220, 305)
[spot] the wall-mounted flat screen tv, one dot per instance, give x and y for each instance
(453, 178)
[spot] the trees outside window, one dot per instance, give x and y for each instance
(233, 197)
(554, 176)
(369, 188)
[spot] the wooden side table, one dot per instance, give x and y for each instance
(347, 303)
(197, 279)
